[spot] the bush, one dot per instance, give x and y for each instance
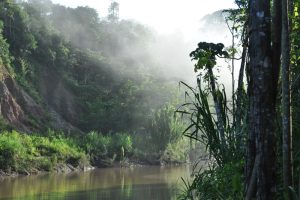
(121, 144)
(11, 151)
(96, 146)
(165, 128)
(21, 152)
(217, 183)
(165, 136)
(177, 151)
(44, 163)
(102, 147)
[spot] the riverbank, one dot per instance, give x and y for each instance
(30, 154)
(59, 169)
(68, 168)
(24, 154)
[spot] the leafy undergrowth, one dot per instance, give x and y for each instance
(216, 183)
(103, 150)
(25, 153)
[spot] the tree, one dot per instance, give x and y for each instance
(16, 29)
(286, 100)
(205, 55)
(113, 11)
(4, 49)
(261, 150)
(273, 43)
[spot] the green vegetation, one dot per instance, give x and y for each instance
(96, 83)
(100, 148)
(28, 153)
(223, 179)
(164, 136)
(4, 53)
(25, 153)
(92, 80)
(216, 183)
(88, 70)
(163, 139)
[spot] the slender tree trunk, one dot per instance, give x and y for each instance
(232, 74)
(240, 88)
(239, 98)
(218, 107)
(286, 100)
(261, 139)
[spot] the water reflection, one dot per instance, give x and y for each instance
(129, 183)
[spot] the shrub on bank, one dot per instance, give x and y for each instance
(121, 145)
(20, 152)
(101, 147)
(25, 153)
(96, 146)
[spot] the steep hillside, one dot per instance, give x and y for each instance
(17, 107)
(67, 69)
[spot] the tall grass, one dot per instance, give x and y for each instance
(223, 180)
(203, 124)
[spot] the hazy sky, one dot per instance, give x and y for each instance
(166, 16)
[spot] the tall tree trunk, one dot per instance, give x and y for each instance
(276, 38)
(286, 100)
(276, 55)
(261, 139)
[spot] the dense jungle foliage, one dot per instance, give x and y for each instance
(96, 84)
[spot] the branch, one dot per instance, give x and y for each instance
(229, 57)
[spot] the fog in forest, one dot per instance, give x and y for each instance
(167, 43)
(116, 69)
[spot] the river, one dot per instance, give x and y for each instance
(136, 183)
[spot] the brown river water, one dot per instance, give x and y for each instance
(137, 183)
